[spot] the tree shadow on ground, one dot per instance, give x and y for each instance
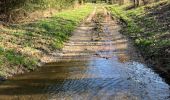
(46, 35)
(155, 34)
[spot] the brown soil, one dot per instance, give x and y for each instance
(85, 42)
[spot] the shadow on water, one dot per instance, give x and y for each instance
(92, 78)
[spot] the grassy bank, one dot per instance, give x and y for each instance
(149, 27)
(22, 46)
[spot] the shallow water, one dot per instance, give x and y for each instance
(108, 69)
(97, 79)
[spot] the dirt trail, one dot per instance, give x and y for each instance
(91, 68)
(84, 43)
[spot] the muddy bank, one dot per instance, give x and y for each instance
(148, 27)
(156, 65)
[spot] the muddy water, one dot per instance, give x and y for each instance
(107, 68)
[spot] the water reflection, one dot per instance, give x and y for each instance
(96, 79)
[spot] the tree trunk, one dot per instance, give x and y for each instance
(137, 3)
(121, 2)
(81, 2)
(134, 3)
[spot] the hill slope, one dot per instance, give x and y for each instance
(149, 27)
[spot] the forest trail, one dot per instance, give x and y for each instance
(91, 68)
(85, 41)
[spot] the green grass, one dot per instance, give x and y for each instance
(61, 25)
(15, 58)
(148, 31)
(10, 59)
(44, 36)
